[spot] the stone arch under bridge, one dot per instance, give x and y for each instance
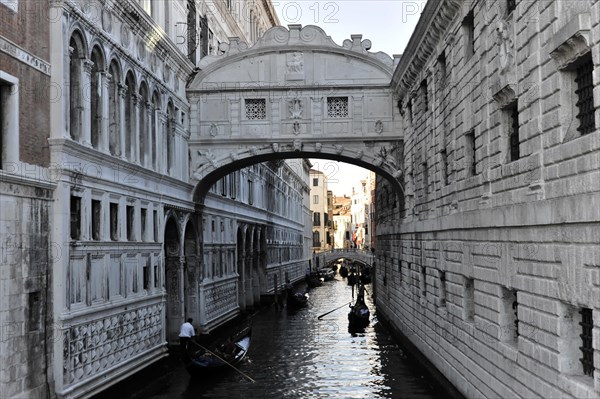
(294, 94)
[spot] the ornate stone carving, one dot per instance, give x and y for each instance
(297, 145)
(505, 44)
(95, 346)
(234, 156)
(296, 128)
(318, 147)
(295, 63)
(338, 148)
(220, 299)
(275, 147)
(210, 158)
(213, 130)
(295, 107)
(572, 41)
(379, 127)
(504, 95)
(253, 150)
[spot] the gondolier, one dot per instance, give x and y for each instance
(186, 332)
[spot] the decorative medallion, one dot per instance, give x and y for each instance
(141, 50)
(125, 35)
(297, 145)
(106, 20)
(295, 63)
(379, 127)
(275, 147)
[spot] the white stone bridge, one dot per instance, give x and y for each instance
(294, 94)
(325, 258)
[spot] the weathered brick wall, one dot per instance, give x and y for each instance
(25, 305)
(28, 30)
(525, 227)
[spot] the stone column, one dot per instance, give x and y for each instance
(135, 143)
(104, 112)
(121, 150)
(86, 125)
(149, 141)
(161, 146)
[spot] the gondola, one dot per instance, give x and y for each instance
(296, 300)
(359, 315)
(343, 271)
(220, 359)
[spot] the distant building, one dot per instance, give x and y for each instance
(342, 222)
(361, 214)
(321, 208)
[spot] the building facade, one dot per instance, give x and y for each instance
(26, 188)
(488, 261)
(342, 222)
(321, 208)
(104, 250)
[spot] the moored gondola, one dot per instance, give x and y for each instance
(224, 357)
(343, 271)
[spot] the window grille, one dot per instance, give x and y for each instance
(511, 5)
(585, 96)
(256, 108)
(587, 351)
(337, 107)
(515, 306)
(514, 133)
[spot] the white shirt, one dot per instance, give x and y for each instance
(187, 330)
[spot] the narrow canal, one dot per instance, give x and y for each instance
(295, 355)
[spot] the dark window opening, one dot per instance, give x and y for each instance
(470, 157)
(511, 5)
(425, 178)
(155, 222)
(96, 217)
(75, 218)
(114, 221)
(469, 300)
(442, 288)
(35, 311)
(469, 31)
(143, 213)
(146, 277)
(442, 67)
(130, 219)
(513, 135)
(424, 94)
(317, 219)
(585, 96)
(315, 181)
(444, 156)
(587, 350)
(155, 276)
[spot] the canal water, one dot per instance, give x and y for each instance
(296, 355)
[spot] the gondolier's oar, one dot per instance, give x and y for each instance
(225, 361)
(331, 311)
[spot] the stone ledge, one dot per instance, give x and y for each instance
(571, 42)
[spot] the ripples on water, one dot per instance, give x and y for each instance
(295, 355)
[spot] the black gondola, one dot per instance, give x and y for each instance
(227, 355)
(297, 300)
(343, 271)
(359, 314)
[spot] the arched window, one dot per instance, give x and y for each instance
(76, 57)
(95, 95)
(114, 117)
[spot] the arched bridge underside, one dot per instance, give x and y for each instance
(354, 255)
(294, 94)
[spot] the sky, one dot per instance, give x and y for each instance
(387, 24)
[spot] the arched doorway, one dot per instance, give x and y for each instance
(175, 311)
(191, 270)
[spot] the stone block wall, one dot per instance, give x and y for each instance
(494, 266)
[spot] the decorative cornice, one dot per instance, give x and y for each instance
(311, 37)
(435, 19)
(572, 41)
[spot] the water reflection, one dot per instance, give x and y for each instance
(295, 355)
